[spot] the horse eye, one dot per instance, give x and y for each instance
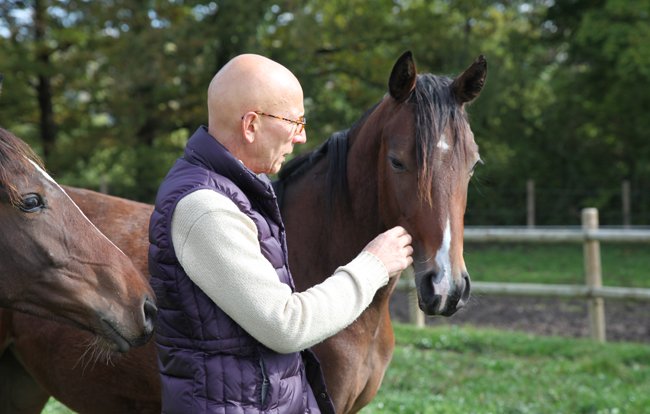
(396, 164)
(31, 203)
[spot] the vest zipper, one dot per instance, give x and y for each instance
(265, 382)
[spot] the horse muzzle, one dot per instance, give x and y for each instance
(121, 340)
(439, 295)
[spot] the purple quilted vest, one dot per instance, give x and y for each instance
(208, 363)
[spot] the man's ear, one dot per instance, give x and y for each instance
(249, 126)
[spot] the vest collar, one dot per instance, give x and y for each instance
(204, 150)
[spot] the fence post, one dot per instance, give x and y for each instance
(103, 184)
(530, 203)
(593, 275)
(625, 190)
(416, 315)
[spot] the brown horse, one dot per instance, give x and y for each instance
(407, 161)
(55, 263)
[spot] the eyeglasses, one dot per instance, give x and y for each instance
(300, 122)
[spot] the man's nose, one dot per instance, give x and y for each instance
(300, 138)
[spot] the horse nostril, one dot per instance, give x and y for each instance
(465, 292)
(435, 292)
(150, 313)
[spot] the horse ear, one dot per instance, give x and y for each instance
(468, 85)
(402, 77)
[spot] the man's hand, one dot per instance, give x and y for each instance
(393, 248)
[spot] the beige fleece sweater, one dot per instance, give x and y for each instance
(218, 248)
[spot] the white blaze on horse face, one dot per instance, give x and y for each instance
(443, 260)
(43, 173)
(442, 143)
(47, 177)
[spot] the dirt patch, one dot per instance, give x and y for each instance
(625, 321)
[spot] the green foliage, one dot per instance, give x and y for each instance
(55, 407)
(126, 78)
(102, 85)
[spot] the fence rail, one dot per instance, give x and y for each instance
(590, 235)
(569, 291)
(554, 235)
(549, 290)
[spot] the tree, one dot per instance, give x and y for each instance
(117, 85)
(110, 90)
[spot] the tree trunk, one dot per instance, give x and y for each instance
(43, 86)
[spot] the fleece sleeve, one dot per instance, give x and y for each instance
(217, 246)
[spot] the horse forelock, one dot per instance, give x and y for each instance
(435, 108)
(15, 161)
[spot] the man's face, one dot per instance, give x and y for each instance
(278, 137)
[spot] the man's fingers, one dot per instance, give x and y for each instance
(405, 240)
(398, 230)
(394, 248)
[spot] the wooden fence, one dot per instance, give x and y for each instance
(590, 235)
(626, 203)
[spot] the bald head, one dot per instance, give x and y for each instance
(249, 83)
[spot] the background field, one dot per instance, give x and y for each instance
(622, 264)
(449, 370)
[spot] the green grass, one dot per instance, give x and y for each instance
(451, 370)
(622, 264)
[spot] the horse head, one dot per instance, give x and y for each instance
(56, 264)
(426, 158)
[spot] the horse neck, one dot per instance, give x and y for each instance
(364, 219)
(363, 157)
(321, 238)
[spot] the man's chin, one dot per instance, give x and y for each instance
(276, 168)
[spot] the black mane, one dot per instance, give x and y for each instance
(337, 147)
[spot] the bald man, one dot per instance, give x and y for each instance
(233, 335)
